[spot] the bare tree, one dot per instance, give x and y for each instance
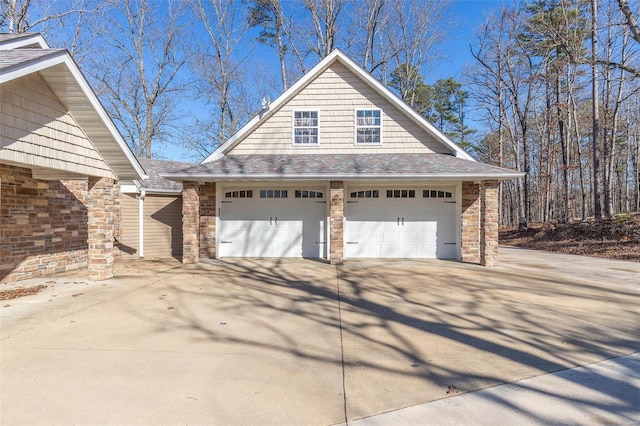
(140, 81)
(220, 65)
(325, 20)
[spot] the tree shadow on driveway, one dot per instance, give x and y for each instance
(405, 332)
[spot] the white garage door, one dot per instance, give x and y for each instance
(401, 223)
(273, 222)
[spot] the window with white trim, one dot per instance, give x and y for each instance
(369, 193)
(303, 193)
(239, 194)
(305, 128)
(273, 193)
(368, 126)
(401, 193)
(431, 193)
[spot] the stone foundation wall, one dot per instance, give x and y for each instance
(43, 225)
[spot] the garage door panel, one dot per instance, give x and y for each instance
(284, 227)
(400, 227)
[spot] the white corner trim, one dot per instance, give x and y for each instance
(141, 224)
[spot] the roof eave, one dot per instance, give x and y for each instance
(347, 176)
(63, 57)
(27, 40)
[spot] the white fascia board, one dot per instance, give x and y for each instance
(447, 176)
(162, 191)
(30, 67)
(129, 189)
(26, 40)
(106, 119)
(273, 107)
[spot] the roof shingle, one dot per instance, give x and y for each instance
(342, 166)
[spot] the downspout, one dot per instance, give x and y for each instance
(141, 223)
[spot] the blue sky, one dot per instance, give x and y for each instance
(468, 13)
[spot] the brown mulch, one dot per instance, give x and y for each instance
(20, 292)
(617, 238)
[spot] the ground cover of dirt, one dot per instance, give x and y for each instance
(617, 238)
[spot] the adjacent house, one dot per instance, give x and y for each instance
(151, 218)
(338, 167)
(60, 159)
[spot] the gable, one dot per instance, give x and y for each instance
(336, 93)
(37, 130)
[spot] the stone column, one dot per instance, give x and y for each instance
(336, 221)
(489, 223)
(208, 221)
(190, 222)
(470, 247)
(100, 228)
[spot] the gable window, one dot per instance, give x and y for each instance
(305, 127)
(369, 193)
(430, 193)
(401, 193)
(239, 194)
(303, 193)
(273, 193)
(368, 126)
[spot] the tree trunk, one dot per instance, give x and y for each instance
(595, 128)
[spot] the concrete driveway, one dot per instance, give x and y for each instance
(303, 342)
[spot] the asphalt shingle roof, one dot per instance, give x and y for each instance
(155, 168)
(14, 57)
(353, 166)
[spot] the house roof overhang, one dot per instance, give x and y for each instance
(352, 167)
(337, 56)
(65, 79)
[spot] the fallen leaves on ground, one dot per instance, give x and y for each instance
(20, 292)
(611, 239)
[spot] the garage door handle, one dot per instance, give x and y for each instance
(276, 221)
(403, 221)
(271, 220)
(398, 221)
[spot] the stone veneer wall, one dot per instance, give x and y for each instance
(190, 222)
(470, 222)
(101, 221)
(208, 221)
(489, 232)
(43, 225)
(336, 221)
